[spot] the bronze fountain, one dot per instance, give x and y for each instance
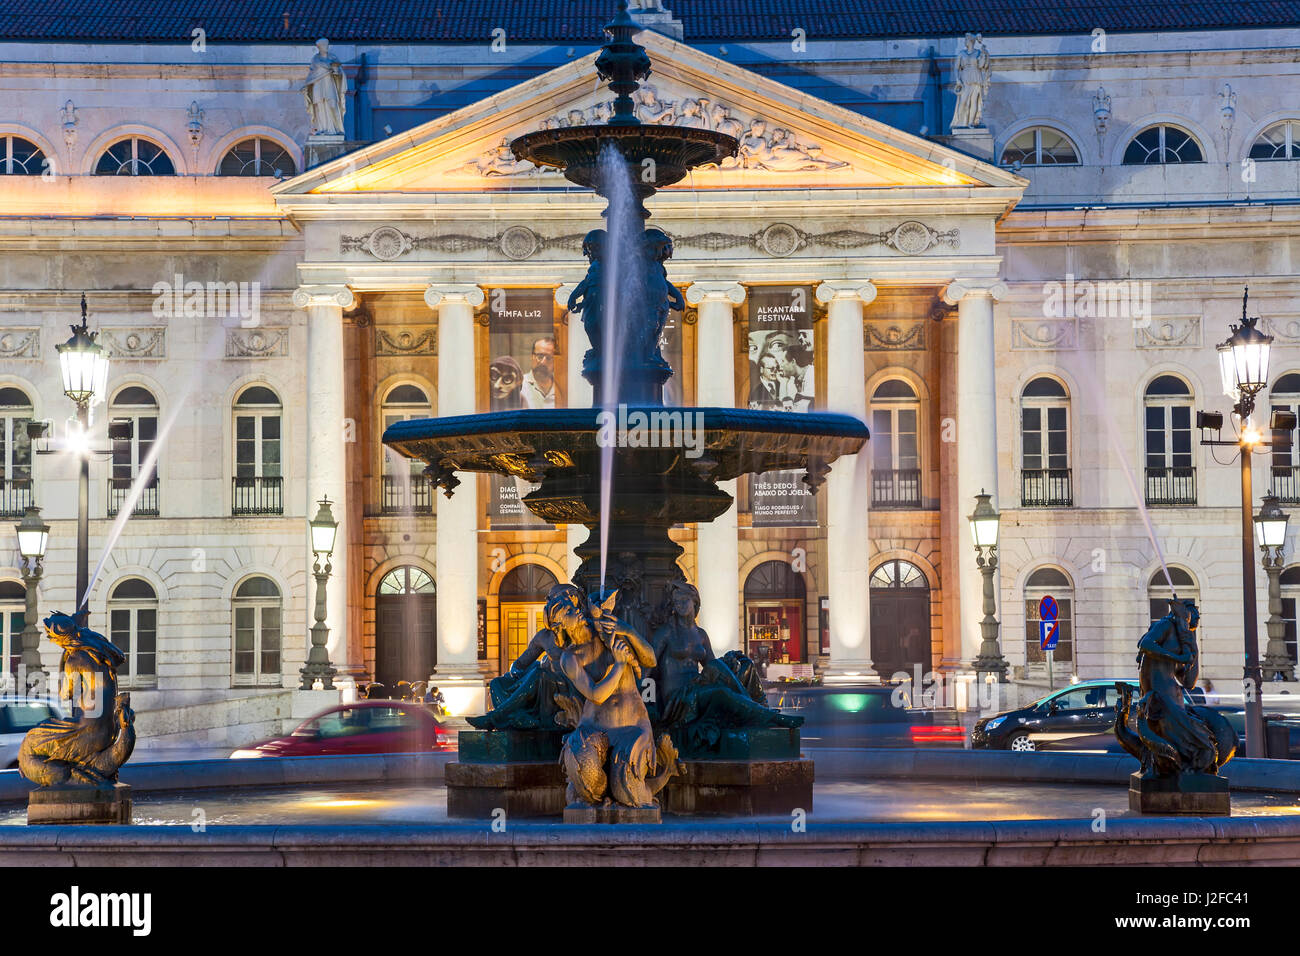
(612, 648)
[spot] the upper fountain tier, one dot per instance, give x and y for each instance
(671, 151)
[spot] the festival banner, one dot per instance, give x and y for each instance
(782, 376)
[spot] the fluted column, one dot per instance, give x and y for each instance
(717, 543)
(580, 396)
(977, 441)
(326, 454)
(847, 489)
(458, 674)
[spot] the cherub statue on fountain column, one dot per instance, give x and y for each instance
(586, 299)
(661, 295)
(90, 745)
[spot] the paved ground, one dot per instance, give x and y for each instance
(884, 801)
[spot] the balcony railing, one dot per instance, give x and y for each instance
(1046, 488)
(896, 487)
(119, 489)
(257, 496)
(15, 497)
(406, 496)
(1286, 483)
(1171, 485)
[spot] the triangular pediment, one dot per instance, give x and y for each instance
(789, 140)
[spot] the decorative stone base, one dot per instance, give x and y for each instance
(508, 746)
(521, 789)
(756, 743)
(740, 787)
(975, 140)
(1195, 793)
(612, 814)
(72, 803)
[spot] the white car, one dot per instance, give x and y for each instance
(17, 716)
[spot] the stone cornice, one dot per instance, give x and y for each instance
(1149, 223)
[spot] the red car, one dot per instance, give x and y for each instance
(363, 727)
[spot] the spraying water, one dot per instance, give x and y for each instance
(619, 277)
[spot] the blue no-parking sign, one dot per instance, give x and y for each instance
(1049, 630)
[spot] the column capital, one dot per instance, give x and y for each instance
(958, 289)
(306, 296)
(860, 289)
(449, 293)
(562, 294)
(731, 292)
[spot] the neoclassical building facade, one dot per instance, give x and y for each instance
(1026, 307)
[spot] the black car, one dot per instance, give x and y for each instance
(1078, 717)
(868, 715)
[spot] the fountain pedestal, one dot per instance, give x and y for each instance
(78, 803)
(1201, 794)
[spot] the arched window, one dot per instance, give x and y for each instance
(257, 156)
(522, 595)
(133, 627)
(405, 489)
(1049, 582)
(1290, 581)
(1279, 141)
(135, 157)
(138, 406)
(257, 616)
(1285, 396)
(20, 157)
(406, 631)
(895, 448)
(1162, 144)
(1170, 474)
(258, 487)
(13, 618)
(774, 618)
(1040, 146)
(1159, 592)
(15, 452)
(1045, 479)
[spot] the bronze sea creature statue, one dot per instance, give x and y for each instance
(90, 745)
(1173, 739)
(698, 695)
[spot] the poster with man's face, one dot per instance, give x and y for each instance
(521, 375)
(782, 377)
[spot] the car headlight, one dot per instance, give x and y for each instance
(243, 754)
(993, 724)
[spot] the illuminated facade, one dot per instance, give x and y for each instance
(266, 323)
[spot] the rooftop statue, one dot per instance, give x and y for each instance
(325, 91)
(1176, 742)
(973, 72)
(90, 745)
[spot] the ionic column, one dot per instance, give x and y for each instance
(717, 543)
(458, 673)
(848, 492)
(326, 454)
(580, 396)
(977, 441)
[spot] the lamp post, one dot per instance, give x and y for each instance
(33, 538)
(1243, 367)
(984, 532)
(1270, 532)
(323, 529)
(84, 365)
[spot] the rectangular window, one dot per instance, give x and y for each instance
(270, 641)
(146, 635)
(1058, 455)
(245, 640)
(1031, 438)
(120, 634)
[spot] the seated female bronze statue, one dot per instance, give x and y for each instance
(696, 694)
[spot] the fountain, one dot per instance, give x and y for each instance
(628, 469)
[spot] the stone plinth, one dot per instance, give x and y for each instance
(976, 141)
(505, 746)
(614, 813)
(741, 787)
(752, 743)
(71, 804)
(521, 789)
(1195, 793)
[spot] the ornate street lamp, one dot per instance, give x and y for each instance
(33, 538)
(1243, 368)
(84, 365)
(323, 531)
(1270, 532)
(984, 532)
